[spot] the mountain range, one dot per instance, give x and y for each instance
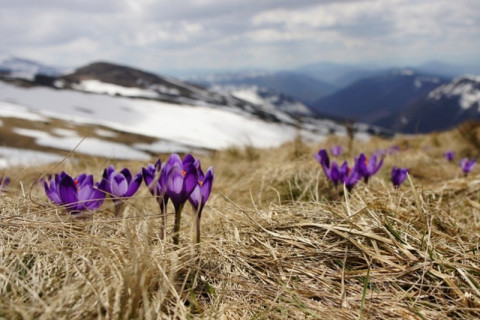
(442, 108)
(375, 97)
(395, 99)
(296, 85)
(116, 111)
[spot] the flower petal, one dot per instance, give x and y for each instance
(127, 174)
(119, 185)
(67, 191)
(190, 180)
(207, 185)
(195, 198)
(134, 185)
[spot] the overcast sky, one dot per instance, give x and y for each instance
(169, 35)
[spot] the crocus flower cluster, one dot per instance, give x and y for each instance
(466, 165)
(363, 168)
(176, 180)
(179, 180)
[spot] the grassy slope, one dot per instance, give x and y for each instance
(278, 243)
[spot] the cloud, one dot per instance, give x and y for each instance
(163, 34)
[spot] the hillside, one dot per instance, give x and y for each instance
(278, 241)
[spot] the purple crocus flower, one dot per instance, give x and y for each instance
(449, 155)
(467, 165)
(201, 193)
(367, 167)
(151, 176)
(336, 150)
(398, 176)
(323, 159)
(75, 194)
(202, 190)
(332, 171)
(120, 185)
(180, 178)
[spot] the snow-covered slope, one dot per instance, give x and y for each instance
(176, 127)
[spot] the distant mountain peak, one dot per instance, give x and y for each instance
(24, 68)
(465, 88)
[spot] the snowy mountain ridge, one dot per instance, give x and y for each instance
(465, 88)
(268, 99)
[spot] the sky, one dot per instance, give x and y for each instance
(178, 36)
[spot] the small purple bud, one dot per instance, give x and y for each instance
(336, 150)
(449, 155)
(398, 176)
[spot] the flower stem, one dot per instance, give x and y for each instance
(197, 230)
(163, 214)
(176, 224)
(118, 207)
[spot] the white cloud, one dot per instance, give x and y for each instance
(225, 33)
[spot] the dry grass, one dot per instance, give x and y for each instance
(278, 243)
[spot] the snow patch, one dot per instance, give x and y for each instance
(90, 146)
(13, 110)
(105, 133)
(96, 86)
(419, 81)
(247, 95)
(21, 157)
(65, 132)
(162, 147)
(94, 147)
(30, 133)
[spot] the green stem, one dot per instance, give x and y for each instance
(197, 229)
(176, 225)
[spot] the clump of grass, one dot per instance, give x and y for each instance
(278, 243)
